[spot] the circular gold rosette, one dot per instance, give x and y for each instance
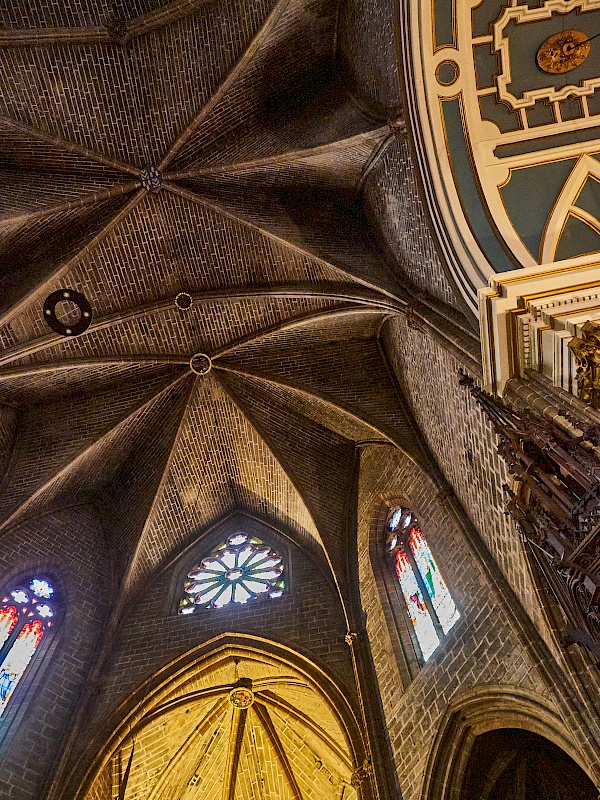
(563, 52)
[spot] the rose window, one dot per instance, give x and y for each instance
(238, 570)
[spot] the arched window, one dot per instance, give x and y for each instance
(430, 606)
(238, 570)
(27, 614)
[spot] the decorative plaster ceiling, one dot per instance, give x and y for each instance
(235, 118)
(511, 152)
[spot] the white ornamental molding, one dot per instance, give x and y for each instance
(524, 14)
(529, 316)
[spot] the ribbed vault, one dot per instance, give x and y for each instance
(195, 744)
(255, 214)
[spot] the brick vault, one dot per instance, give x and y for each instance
(222, 308)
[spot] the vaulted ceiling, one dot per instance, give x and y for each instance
(241, 728)
(216, 149)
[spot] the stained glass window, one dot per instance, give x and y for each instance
(430, 606)
(27, 613)
(238, 570)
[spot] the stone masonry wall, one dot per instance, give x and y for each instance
(69, 546)
(394, 208)
(8, 428)
(464, 444)
(481, 648)
(307, 618)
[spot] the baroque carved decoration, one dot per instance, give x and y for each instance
(586, 352)
(555, 502)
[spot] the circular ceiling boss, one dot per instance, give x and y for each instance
(241, 697)
(84, 310)
(563, 52)
(200, 363)
(184, 301)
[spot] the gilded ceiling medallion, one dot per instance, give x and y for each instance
(184, 301)
(241, 697)
(511, 139)
(563, 52)
(200, 363)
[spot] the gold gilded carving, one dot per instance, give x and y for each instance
(556, 90)
(563, 52)
(362, 773)
(586, 352)
(241, 697)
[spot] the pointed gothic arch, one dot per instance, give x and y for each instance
(225, 707)
(395, 604)
(479, 711)
(31, 609)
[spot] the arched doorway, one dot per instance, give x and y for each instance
(237, 724)
(462, 763)
(513, 764)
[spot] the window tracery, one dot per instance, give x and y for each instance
(238, 570)
(429, 604)
(27, 613)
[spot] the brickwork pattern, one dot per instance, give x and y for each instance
(463, 443)
(219, 462)
(308, 617)
(480, 649)
(70, 544)
(8, 430)
(66, 429)
(337, 166)
(367, 49)
(319, 411)
(318, 462)
(395, 210)
(311, 222)
(32, 245)
(28, 194)
(27, 389)
(262, 153)
(166, 332)
(180, 753)
(71, 13)
(34, 151)
(102, 78)
(150, 256)
(357, 383)
(292, 58)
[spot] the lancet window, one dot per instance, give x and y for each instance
(27, 614)
(238, 570)
(429, 604)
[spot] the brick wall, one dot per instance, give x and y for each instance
(69, 544)
(395, 211)
(367, 50)
(464, 445)
(308, 618)
(8, 429)
(482, 647)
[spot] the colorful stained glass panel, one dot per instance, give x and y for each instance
(419, 615)
(8, 619)
(18, 657)
(439, 593)
(41, 588)
(236, 571)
